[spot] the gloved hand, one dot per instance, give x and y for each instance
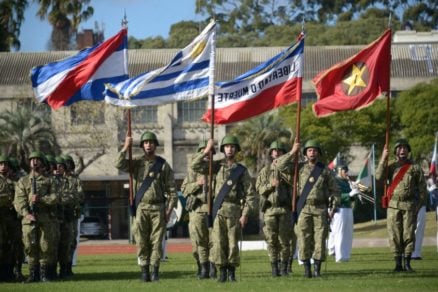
(354, 192)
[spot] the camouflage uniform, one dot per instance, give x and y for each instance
(198, 224)
(275, 203)
(39, 237)
(8, 227)
(149, 224)
(312, 225)
(407, 198)
(238, 202)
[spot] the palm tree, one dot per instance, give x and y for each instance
(23, 131)
(11, 17)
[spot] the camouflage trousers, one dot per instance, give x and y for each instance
(226, 233)
(199, 236)
(40, 242)
(148, 230)
(66, 237)
(401, 231)
(277, 233)
(11, 244)
(312, 231)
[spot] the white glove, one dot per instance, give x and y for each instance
(354, 192)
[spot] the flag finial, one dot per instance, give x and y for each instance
(125, 20)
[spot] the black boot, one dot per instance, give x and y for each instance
(408, 267)
(232, 273)
(145, 273)
(398, 264)
(51, 272)
(307, 269)
(205, 273)
(17, 273)
(213, 271)
(70, 269)
(274, 269)
(223, 274)
(154, 276)
(63, 271)
(198, 273)
(44, 270)
(34, 275)
(317, 267)
(289, 265)
(285, 268)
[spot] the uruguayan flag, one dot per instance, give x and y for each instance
(186, 77)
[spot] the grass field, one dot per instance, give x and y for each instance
(369, 270)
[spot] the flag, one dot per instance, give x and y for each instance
(356, 82)
(432, 169)
(82, 76)
(365, 175)
(275, 83)
(334, 163)
(186, 77)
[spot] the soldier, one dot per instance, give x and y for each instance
(75, 189)
(234, 199)
(275, 192)
(153, 181)
(8, 218)
(405, 196)
(195, 190)
(36, 202)
(316, 188)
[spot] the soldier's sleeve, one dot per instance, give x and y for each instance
(50, 199)
(21, 199)
(250, 203)
(333, 190)
(169, 187)
(263, 185)
(380, 170)
(422, 188)
(190, 185)
(198, 163)
(121, 162)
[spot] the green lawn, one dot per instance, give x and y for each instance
(369, 270)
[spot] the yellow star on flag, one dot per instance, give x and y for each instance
(355, 78)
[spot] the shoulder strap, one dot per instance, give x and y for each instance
(152, 173)
(397, 179)
(313, 177)
(226, 188)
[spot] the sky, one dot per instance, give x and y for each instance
(146, 18)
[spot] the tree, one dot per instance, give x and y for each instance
(23, 131)
(65, 17)
(11, 17)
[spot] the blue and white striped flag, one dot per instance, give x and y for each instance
(186, 77)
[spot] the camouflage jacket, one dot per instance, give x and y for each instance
(411, 192)
(195, 194)
(241, 199)
(7, 190)
(162, 190)
(324, 193)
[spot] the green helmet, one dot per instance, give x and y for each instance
(230, 140)
(148, 136)
(5, 158)
(51, 159)
(37, 154)
(401, 142)
(67, 157)
(202, 145)
(312, 144)
(59, 160)
(277, 145)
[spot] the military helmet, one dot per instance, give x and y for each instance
(277, 145)
(148, 136)
(342, 167)
(51, 159)
(312, 144)
(401, 142)
(67, 157)
(202, 145)
(60, 160)
(5, 158)
(230, 140)
(37, 154)
(69, 162)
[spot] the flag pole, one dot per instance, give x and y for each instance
(211, 93)
(373, 158)
(388, 116)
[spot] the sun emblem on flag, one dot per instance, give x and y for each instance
(356, 79)
(198, 49)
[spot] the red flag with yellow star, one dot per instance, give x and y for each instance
(356, 82)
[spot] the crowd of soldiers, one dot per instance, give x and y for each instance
(39, 215)
(217, 217)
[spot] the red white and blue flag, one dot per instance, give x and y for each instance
(273, 84)
(82, 76)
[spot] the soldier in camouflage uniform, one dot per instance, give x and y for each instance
(75, 189)
(407, 198)
(36, 202)
(8, 218)
(275, 193)
(312, 226)
(234, 210)
(155, 208)
(195, 190)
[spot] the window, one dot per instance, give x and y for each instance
(191, 111)
(144, 115)
(87, 113)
